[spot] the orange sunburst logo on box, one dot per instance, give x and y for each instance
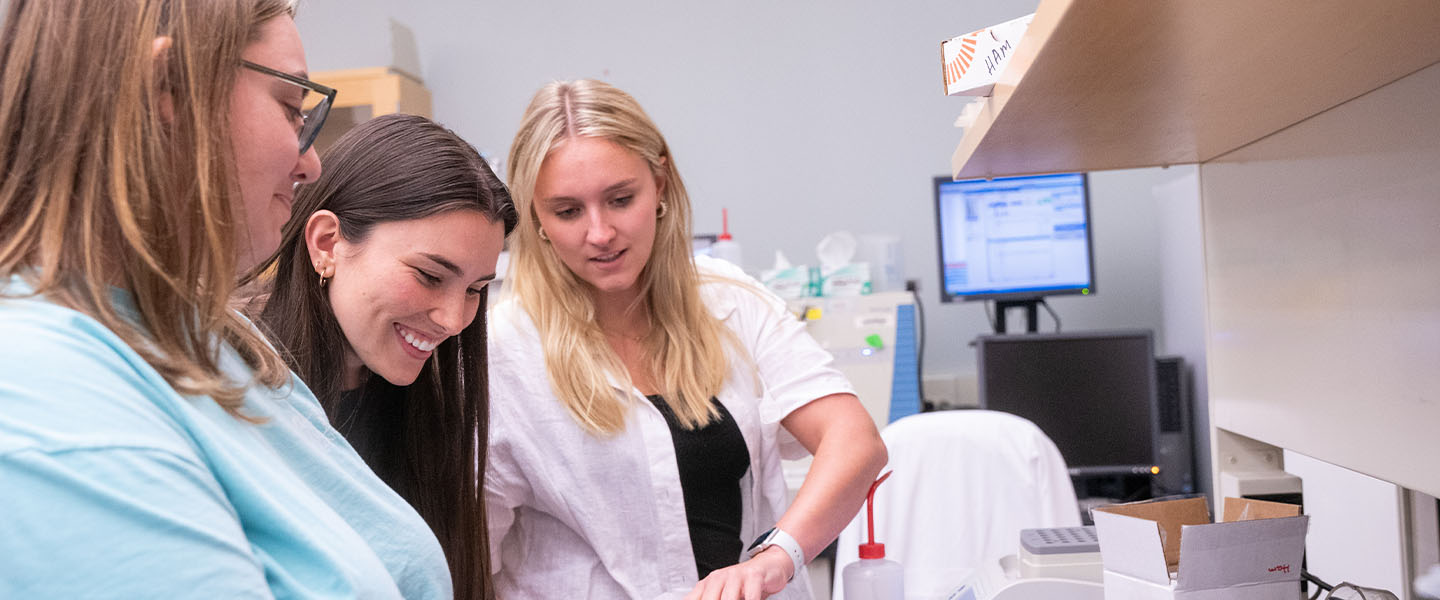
(955, 69)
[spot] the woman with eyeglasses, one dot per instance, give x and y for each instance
(152, 443)
(378, 286)
(643, 398)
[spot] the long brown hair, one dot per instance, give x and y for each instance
(685, 341)
(426, 440)
(99, 189)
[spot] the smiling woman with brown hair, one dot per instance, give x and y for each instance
(379, 278)
(152, 443)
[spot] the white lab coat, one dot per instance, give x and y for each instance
(574, 515)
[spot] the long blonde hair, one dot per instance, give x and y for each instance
(101, 189)
(686, 344)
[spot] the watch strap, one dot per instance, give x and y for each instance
(786, 542)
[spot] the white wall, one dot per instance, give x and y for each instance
(800, 117)
(1182, 298)
(1323, 267)
(1323, 273)
(1357, 531)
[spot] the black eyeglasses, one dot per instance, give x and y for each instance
(312, 119)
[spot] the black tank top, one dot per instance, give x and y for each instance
(711, 460)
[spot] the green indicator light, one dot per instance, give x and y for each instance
(874, 341)
(1085, 292)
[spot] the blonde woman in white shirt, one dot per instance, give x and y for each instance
(641, 400)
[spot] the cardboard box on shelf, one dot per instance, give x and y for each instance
(1169, 550)
(973, 62)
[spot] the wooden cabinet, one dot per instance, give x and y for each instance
(363, 94)
(1116, 84)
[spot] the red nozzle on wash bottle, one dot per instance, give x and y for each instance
(872, 550)
(724, 224)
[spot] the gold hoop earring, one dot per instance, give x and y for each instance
(542, 234)
(324, 277)
(661, 213)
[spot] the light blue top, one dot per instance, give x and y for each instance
(113, 485)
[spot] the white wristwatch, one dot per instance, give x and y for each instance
(778, 537)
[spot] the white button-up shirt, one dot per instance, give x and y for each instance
(575, 515)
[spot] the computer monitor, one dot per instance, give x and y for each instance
(1014, 238)
(1093, 393)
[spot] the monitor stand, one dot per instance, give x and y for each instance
(1032, 314)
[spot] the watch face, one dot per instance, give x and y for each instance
(759, 543)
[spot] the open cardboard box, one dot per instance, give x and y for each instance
(1169, 549)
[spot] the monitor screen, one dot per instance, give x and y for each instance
(1014, 238)
(1092, 393)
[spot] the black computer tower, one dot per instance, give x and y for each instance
(1175, 445)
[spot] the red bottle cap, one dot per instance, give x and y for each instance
(872, 550)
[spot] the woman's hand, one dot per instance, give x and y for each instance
(759, 577)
